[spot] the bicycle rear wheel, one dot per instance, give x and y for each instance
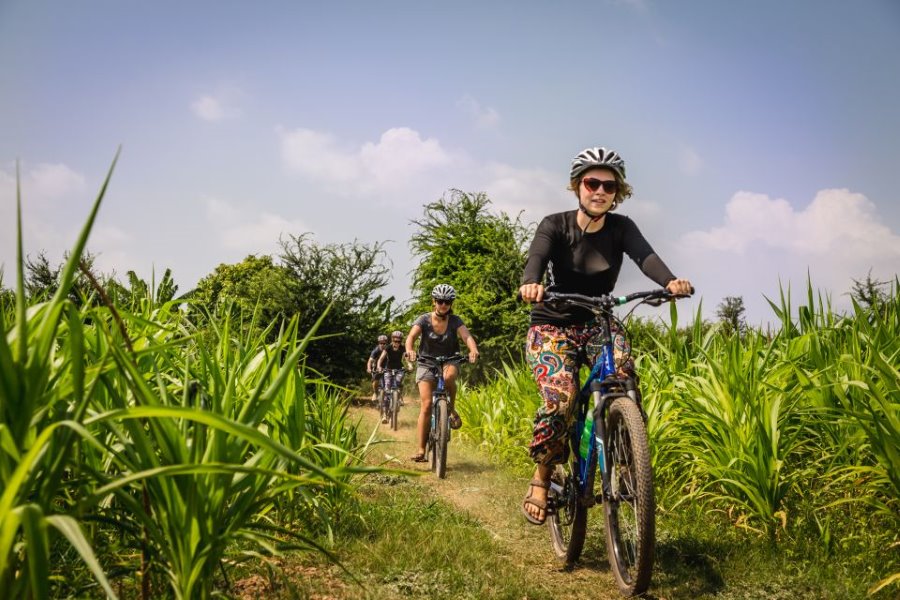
(566, 516)
(630, 508)
(395, 409)
(443, 436)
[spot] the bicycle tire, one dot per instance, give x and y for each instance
(443, 436)
(566, 517)
(395, 409)
(630, 508)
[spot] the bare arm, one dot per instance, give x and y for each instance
(414, 333)
(469, 339)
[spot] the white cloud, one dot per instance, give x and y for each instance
(258, 233)
(399, 157)
(211, 108)
(484, 117)
(535, 192)
(689, 161)
(836, 221)
(836, 238)
(49, 194)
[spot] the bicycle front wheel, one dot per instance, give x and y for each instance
(630, 506)
(395, 409)
(443, 436)
(566, 516)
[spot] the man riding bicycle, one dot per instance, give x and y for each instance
(390, 362)
(372, 363)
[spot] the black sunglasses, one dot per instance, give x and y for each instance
(447, 302)
(610, 186)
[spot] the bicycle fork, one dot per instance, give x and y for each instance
(596, 459)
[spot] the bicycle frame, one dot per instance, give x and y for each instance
(439, 433)
(439, 389)
(602, 384)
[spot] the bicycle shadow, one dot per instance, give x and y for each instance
(686, 565)
(690, 566)
(465, 467)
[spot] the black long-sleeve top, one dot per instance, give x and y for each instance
(586, 263)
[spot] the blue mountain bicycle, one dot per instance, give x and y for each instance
(439, 434)
(609, 436)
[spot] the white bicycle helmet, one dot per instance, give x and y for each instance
(590, 158)
(382, 339)
(443, 291)
(397, 335)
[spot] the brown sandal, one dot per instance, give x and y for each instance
(541, 504)
(418, 458)
(455, 420)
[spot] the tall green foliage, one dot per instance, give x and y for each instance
(306, 279)
(350, 278)
(124, 438)
(482, 254)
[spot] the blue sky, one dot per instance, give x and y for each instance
(761, 138)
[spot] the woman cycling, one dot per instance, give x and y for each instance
(581, 251)
(390, 363)
(439, 330)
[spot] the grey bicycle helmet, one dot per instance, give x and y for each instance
(590, 158)
(443, 291)
(397, 335)
(382, 339)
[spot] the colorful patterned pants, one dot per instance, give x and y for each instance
(552, 353)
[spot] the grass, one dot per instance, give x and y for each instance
(410, 543)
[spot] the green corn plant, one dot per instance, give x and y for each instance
(499, 414)
(659, 364)
(199, 480)
(45, 391)
(743, 429)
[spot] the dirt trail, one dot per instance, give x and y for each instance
(493, 497)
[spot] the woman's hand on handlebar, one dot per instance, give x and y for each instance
(531, 292)
(680, 287)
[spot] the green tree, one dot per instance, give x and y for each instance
(482, 254)
(306, 279)
(731, 314)
(137, 291)
(870, 293)
(349, 277)
(255, 283)
(42, 279)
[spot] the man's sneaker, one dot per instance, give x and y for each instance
(384, 419)
(455, 420)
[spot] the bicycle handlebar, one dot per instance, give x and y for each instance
(442, 360)
(607, 302)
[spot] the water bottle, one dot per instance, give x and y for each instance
(584, 446)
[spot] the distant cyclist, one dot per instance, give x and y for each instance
(440, 330)
(581, 252)
(391, 364)
(372, 363)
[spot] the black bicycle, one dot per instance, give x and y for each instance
(439, 434)
(610, 436)
(391, 394)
